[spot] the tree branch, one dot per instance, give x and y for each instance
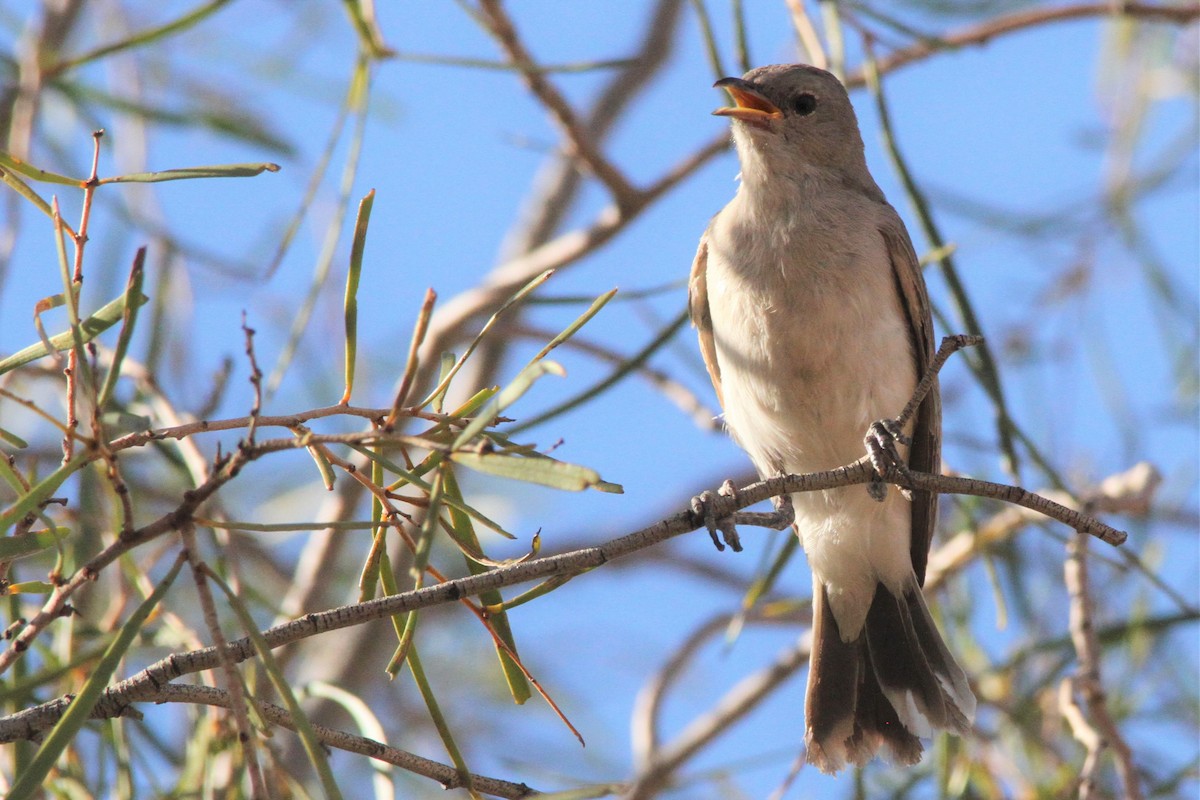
(30, 721)
(1101, 732)
(984, 32)
(446, 775)
(579, 142)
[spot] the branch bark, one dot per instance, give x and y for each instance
(30, 722)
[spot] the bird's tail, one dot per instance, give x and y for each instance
(893, 684)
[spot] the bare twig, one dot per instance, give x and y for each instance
(444, 774)
(648, 705)
(984, 32)
(579, 143)
(454, 317)
(233, 680)
(557, 184)
(1101, 731)
(736, 703)
(859, 472)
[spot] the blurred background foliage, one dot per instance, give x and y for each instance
(1049, 178)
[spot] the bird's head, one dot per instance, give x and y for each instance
(791, 117)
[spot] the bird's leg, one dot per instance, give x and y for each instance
(703, 506)
(881, 439)
(779, 519)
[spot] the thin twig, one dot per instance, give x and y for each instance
(444, 774)
(684, 398)
(648, 705)
(556, 187)
(983, 33)
(453, 317)
(949, 346)
(233, 679)
(579, 142)
(736, 703)
(1102, 732)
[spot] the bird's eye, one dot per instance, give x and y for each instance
(804, 104)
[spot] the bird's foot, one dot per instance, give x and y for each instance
(703, 506)
(780, 519)
(881, 440)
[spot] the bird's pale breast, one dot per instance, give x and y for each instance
(812, 351)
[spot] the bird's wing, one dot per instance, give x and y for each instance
(925, 454)
(702, 317)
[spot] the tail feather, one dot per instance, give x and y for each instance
(835, 672)
(895, 682)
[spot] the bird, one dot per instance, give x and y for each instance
(815, 324)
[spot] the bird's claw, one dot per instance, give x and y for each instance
(704, 507)
(881, 440)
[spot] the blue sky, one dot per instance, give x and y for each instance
(1016, 126)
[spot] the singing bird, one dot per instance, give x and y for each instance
(814, 323)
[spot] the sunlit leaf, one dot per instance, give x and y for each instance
(110, 314)
(9, 161)
(544, 471)
(188, 173)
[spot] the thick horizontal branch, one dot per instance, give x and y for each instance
(31, 722)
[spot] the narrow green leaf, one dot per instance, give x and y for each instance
(413, 478)
(357, 247)
(30, 587)
(357, 104)
(710, 41)
(41, 492)
(543, 471)
(507, 396)
(982, 364)
(444, 367)
(467, 409)
(9, 161)
(831, 18)
(579, 322)
(328, 477)
(112, 313)
(151, 35)
(520, 295)
(25, 190)
(129, 312)
(315, 180)
(464, 532)
(369, 725)
(29, 782)
(543, 588)
(14, 547)
(13, 439)
(370, 37)
(626, 368)
(369, 575)
(188, 173)
(439, 719)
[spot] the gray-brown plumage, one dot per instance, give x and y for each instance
(814, 323)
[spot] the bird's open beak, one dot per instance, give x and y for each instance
(748, 103)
